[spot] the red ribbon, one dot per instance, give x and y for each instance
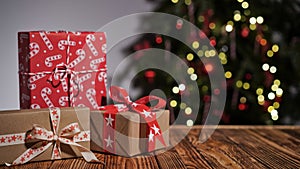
(120, 95)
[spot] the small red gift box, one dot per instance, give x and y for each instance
(130, 128)
(62, 69)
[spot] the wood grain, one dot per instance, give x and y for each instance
(228, 147)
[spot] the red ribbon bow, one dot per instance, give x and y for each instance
(120, 95)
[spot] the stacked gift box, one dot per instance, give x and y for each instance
(63, 114)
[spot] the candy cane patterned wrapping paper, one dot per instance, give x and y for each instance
(60, 69)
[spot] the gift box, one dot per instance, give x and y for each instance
(44, 134)
(62, 69)
(129, 136)
(131, 128)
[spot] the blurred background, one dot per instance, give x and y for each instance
(257, 42)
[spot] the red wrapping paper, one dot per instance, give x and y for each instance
(62, 69)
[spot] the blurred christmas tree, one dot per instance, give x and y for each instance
(258, 44)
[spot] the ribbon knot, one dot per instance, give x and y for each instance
(139, 106)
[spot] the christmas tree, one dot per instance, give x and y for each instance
(257, 43)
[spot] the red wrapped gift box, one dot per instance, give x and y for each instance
(62, 69)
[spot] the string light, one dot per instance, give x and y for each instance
(179, 24)
(270, 53)
(263, 42)
(201, 18)
(271, 96)
(188, 111)
(173, 103)
(279, 92)
(265, 67)
(190, 70)
(188, 2)
(189, 123)
(228, 74)
(273, 69)
(174, 1)
(270, 109)
(228, 28)
(195, 44)
(182, 105)
(277, 82)
(274, 115)
(237, 16)
(252, 27)
(209, 67)
(193, 77)
(204, 88)
(252, 20)
(274, 87)
(175, 90)
(239, 84)
(212, 25)
(200, 53)
(276, 105)
(260, 98)
(245, 5)
(259, 19)
(275, 48)
(190, 57)
(243, 99)
(246, 86)
(181, 87)
(259, 91)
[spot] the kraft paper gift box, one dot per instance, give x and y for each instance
(18, 139)
(62, 69)
(129, 136)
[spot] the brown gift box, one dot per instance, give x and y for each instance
(21, 121)
(130, 132)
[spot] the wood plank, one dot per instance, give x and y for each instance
(189, 155)
(169, 160)
(261, 150)
(228, 147)
(282, 140)
(220, 143)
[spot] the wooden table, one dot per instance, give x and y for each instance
(229, 147)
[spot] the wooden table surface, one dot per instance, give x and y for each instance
(228, 147)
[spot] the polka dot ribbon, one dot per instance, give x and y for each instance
(44, 139)
(139, 106)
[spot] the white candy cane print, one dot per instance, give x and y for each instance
(81, 55)
(83, 78)
(81, 105)
(76, 33)
(33, 79)
(34, 49)
(64, 84)
(44, 93)
(63, 43)
(63, 100)
(35, 106)
(46, 40)
(90, 93)
(102, 76)
(94, 63)
(48, 60)
(103, 48)
(89, 38)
